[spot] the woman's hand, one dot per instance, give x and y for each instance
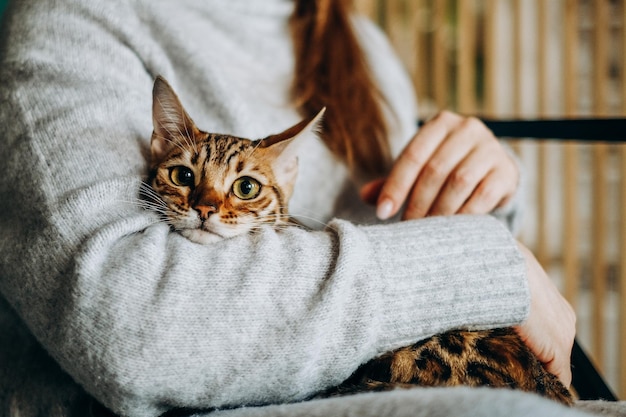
(454, 164)
(550, 328)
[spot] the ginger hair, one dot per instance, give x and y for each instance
(331, 71)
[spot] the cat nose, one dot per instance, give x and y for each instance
(205, 210)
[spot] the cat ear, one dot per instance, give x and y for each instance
(171, 123)
(284, 146)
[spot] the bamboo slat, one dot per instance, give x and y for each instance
(466, 55)
(598, 255)
(439, 51)
(622, 276)
(398, 19)
(491, 8)
(571, 236)
(542, 174)
(622, 216)
(517, 57)
(421, 76)
(599, 232)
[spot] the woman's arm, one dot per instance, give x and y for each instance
(146, 320)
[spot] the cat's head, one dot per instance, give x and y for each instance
(215, 186)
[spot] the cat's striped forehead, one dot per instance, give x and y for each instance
(219, 156)
(223, 150)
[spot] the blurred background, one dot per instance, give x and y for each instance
(534, 59)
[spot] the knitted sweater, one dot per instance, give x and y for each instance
(98, 296)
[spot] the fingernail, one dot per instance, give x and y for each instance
(383, 211)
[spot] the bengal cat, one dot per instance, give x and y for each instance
(213, 186)
(216, 186)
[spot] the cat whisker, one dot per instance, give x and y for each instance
(158, 221)
(312, 219)
(306, 217)
(150, 201)
(162, 209)
(272, 218)
(153, 206)
(289, 226)
(146, 190)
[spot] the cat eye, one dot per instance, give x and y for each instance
(182, 176)
(246, 188)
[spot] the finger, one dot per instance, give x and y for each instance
(562, 371)
(438, 169)
(560, 368)
(370, 191)
(542, 344)
(410, 162)
(488, 195)
(461, 183)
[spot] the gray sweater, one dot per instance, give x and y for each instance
(99, 297)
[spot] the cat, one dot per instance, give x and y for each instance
(220, 186)
(214, 186)
(495, 358)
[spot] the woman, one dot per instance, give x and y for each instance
(147, 322)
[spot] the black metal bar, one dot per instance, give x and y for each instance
(592, 129)
(586, 379)
(602, 130)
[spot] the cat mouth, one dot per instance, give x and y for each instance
(211, 228)
(207, 226)
(211, 232)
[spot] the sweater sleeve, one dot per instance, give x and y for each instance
(146, 320)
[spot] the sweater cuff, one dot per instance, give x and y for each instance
(442, 273)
